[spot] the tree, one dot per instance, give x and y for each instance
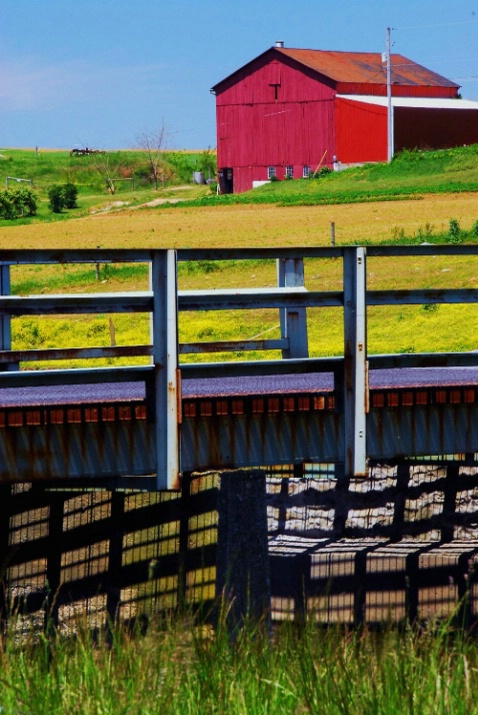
(153, 144)
(112, 167)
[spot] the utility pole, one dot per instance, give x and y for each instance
(389, 100)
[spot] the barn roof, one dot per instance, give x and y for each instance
(366, 67)
(354, 67)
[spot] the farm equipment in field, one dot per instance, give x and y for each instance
(85, 151)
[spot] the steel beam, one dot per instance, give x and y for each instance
(293, 321)
(355, 362)
(5, 319)
(166, 372)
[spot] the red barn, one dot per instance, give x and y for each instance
(290, 111)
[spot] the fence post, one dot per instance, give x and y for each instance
(166, 373)
(293, 321)
(355, 362)
(332, 233)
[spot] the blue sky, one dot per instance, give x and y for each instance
(101, 72)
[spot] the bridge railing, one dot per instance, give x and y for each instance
(164, 302)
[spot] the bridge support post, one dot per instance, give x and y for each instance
(166, 372)
(355, 362)
(243, 573)
(293, 321)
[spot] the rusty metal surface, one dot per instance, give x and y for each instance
(366, 67)
(352, 67)
(260, 432)
(95, 443)
(223, 425)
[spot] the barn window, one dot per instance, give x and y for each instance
(289, 172)
(305, 171)
(276, 91)
(271, 172)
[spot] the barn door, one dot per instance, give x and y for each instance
(226, 180)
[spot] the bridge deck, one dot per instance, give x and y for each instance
(446, 384)
(96, 429)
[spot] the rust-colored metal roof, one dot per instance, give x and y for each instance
(365, 67)
(353, 68)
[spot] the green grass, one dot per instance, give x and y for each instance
(58, 167)
(411, 173)
(391, 329)
(180, 668)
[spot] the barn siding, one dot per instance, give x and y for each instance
(434, 128)
(280, 135)
(361, 132)
(255, 130)
(255, 84)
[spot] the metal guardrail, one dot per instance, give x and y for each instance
(164, 302)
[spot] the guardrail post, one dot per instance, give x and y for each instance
(355, 362)
(293, 321)
(166, 372)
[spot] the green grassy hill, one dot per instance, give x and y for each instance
(46, 167)
(129, 170)
(410, 173)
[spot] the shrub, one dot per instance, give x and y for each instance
(56, 198)
(207, 163)
(17, 202)
(26, 200)
(62, 197)
(454, 231)
(474, 229)
(7, 206)
(70, 194)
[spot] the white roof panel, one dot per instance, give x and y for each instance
(418, 102)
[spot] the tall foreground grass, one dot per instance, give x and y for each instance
(177, 668)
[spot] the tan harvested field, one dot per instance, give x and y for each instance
(247, 225)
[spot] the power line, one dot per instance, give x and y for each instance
(437, 24)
